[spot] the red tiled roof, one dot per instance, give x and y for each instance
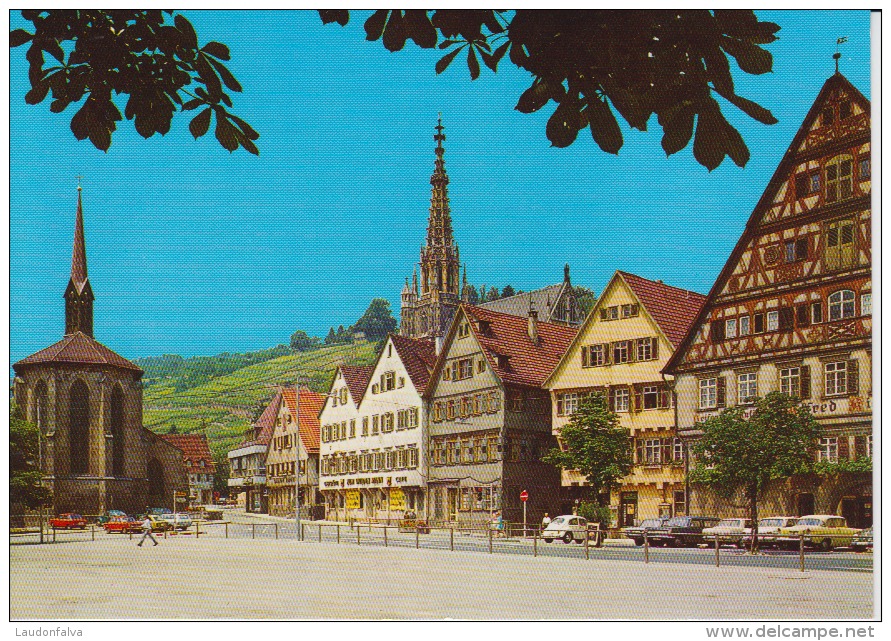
(78, 349)
(357, 377)
(528, 363)
(307, 415)
(265, 425)
(418, 355)
(194, 448)
(673, 309)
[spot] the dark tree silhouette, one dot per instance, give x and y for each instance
(592, 64)
(138, 54)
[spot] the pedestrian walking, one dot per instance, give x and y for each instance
(147, 532)
(545, 522)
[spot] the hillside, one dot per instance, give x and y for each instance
(223, 406)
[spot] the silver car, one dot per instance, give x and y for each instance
(568, 527)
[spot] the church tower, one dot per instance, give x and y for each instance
(79, 295)
(428, 313)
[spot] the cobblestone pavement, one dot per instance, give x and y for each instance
(213, 577)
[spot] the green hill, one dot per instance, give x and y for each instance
(222, 405)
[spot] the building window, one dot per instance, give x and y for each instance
(759, 323)
(450, 409)
(364, 426)
(609, 313)
(790, 381)
(649, 451)
(841, 305)
(796, 250)
(866, 304)
(840, 244)
(747, 388)
(388, 381)
(864, 169)
(730, 328)
(708, 393)
(567, 404)
(646, 349)
(838, 179)
(412, 457)
(629, 311)
(773, 321)
(828, 451)
(463, 330)
(596, 355)
(375, 424)
(650, 397)
(353, 428)
(620, 352)
(677, 449)
(463, 369)
(744, 328)
(621, 399)
(481, 365)
(387, 422)
(817, 312)
(836, 378)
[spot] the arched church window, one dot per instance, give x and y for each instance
(41, 407)
(79, 428)
(117, 432)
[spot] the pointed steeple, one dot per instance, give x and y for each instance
(439, 227)
(79, 295)
(414, 281)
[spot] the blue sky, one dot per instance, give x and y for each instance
(192, 250)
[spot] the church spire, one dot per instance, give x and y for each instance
(439, 227)
(79, 295)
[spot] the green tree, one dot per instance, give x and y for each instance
(492, 294)
(303, 342)
(595, 445)
(25, 489)
(742, 449)
(473, 296)
(331, 337)
(98, 56)
(377, 321)
(586, 298)
(508, 291)
(594, 64)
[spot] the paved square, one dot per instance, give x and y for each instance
(212, 578)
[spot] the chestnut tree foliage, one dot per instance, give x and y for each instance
(599, 65)
(151, 57)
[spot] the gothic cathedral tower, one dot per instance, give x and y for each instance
(428, 313)
(79, 295)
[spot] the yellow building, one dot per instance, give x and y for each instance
(620, 351)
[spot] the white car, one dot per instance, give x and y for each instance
(731, 531)
(568, 527)
(179, 521)
(768, 528)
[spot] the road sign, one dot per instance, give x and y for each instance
(180, 494)
(524, 496)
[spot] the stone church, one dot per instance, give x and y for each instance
(87, 402)
(427, 312)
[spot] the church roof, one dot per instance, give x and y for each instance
(306, 410)
(673, 309)
(523, 362)
(77, 349)
(79, 250)
(195, 449)
(418, 355)
(543, 301)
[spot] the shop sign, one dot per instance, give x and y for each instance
(397, 498)
(352, 499)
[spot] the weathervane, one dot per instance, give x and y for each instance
(79, 178)
(837, 53)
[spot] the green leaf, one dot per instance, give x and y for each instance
(708, 145)
(446, 60)
(80, 125)
(225, 133)
(445, 44)
(194, 103)
(246, 128)
(200, 123)
(562, 128)
(217, 50)
(604, 128)
(750, 58)
(395, 34)
(228, 79)
(534, 98)
(472, 63)
(185, 27)
(37, 93)
(718, 69)
(735, 145)
(340, 16)
(752, 109)
(374, 26)
(419, 28)
(678, 131)
(18, 37)
(51, 46)
(492, 59)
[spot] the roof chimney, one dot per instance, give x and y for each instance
(533, 324)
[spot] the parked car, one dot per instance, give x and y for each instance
(158, 524)
(160, 511)
(768, 528)
(862, 541)
(568, 527)
(731, 531)
(636, 532)
(105, 518)
(681, 530)
(825, 531)
(178, 521)
(68, 521)
(122, 524)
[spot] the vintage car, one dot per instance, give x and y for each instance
(177, 521)
(105, 518)
(68, 521)
(636, 532)
(768, 528)
(730, 531)
(568, 527)
(862, 541)
(825, 531)
(159, 524)
(681, 530)
(123, 524)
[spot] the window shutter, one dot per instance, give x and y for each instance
(635, 309)
(817, 312)
(717, 331)
(560, 405)
(607, 353)
(801, 248)
(640, 451)
(722, 391)
(638, 398)
(632, 350)
(805, 381)
(585, 360)
(655, 345)
(666, 450)
(860, 446)
(853, 378)
(759, 323)
(611, 395)
(787, 319)
(664, 397)
(804, 315)
(844, 452)
(604, 313)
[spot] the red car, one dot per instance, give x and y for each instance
(122, 524)
(68, 521)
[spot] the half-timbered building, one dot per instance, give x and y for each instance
(792, 311)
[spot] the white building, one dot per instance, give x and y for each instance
(372, 452)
